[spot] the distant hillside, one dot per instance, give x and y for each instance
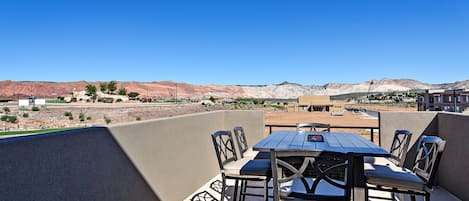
(168, 89)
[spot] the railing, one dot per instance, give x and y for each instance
(372, 129)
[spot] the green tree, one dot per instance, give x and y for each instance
(6, 109)
(91, 91)
(212, 99)
(133, 94)
(122, 91)
(112, 86)
(103, 87)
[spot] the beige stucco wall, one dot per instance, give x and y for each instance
(453, 171)
(454, 166)
(314, 100)
(163, 159)
(176, 155)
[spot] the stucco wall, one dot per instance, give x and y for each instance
(418, 123)
(176, 155)
(82, 164)
(454, 166)
(453, 171)
(162, 159)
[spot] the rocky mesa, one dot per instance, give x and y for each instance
(168, 89)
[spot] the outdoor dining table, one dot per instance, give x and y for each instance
(338, 142)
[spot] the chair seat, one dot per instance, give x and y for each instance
(248, 168)
(393, 176)
(377, 160)
(256, 154)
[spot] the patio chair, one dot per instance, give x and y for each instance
(244, 149)
(310, 175)
(313, 127)
(419, 181)
(398, 150)
(239, 170)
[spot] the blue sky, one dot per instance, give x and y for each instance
(309, 42)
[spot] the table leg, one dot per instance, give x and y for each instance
(358, 182)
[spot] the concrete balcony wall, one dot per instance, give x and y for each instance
(452, 127)
(176, 155)
(454, 166)
(162, 159)
(418, 123)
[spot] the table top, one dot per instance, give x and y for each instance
(333, 142)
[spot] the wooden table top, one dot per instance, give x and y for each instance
(339, 142)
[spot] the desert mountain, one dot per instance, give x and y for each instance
(168, 89)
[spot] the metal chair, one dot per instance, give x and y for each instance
(244, 149)
(242, 169)
(419, 181)
(313, 127)
(310, 175)
(398, 150)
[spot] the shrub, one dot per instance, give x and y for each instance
(12, 119)
(25, 115)
(6, 109)
(138, 118)
(3, 117)
(88, 118)
(118, 100)
(68, 114)
(70, 117)
(107, 120)
(81, 116)
(35, 108)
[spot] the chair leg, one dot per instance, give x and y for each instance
(242, 193)
(235, 196)
(223, 189)
(427, 196)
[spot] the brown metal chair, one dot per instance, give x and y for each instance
(310, 175)
(398, 150)
(419, 180)
(313, 127)
(238, 169)
(244, 149)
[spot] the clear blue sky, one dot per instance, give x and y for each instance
(234, 42)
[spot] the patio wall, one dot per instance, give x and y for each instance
(162, 159)
(454, 166)
(176, 155)
(452, 173)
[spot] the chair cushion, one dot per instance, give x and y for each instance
(262, 155)
(393, 176)
(257, 168)
(248, 167)
(377, 160)
(256, 154)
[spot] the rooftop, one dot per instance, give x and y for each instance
(173, 158)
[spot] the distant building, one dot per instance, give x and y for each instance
(444, 100)
(320, 104)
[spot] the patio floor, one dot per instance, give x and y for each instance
(211, 192)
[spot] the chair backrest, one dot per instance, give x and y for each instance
(313, 127)
(224, 147)
(429, 151)
(315, 171)
(241, 138)
(399, 146)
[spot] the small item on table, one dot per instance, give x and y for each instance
(315, 138)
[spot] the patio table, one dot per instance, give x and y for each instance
(338, 142)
